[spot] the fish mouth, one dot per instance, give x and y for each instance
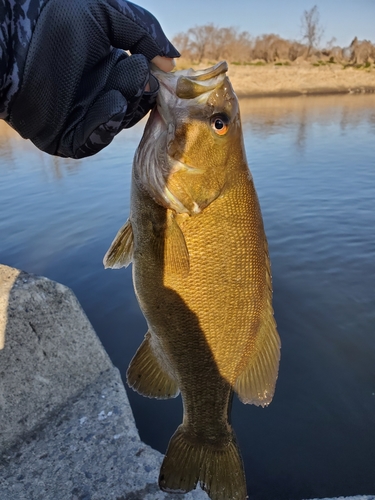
(186, 85)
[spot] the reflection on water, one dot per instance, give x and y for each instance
(269, 116)
(313, 161)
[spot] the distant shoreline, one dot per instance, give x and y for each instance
(311, 92)
(270, 80)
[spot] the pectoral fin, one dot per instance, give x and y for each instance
(176, 254)
(146, 375)
(120, 253)
(171, 248)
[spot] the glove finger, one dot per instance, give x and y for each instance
(102, 122)
(136, 111)
(134, 28)
(129, 75)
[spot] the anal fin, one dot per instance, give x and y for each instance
(120, 253)
(146, 376)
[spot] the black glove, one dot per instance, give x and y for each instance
(76, 90)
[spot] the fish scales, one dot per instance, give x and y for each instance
(202, 277)
(219, 275)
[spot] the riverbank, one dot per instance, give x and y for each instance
(261, 80)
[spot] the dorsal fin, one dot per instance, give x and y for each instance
(256, 384)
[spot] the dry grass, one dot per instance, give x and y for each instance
(301, 77)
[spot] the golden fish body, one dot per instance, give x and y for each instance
(201, 273)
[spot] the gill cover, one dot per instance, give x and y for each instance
(169, 163)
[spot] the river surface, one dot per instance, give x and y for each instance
(313, 162)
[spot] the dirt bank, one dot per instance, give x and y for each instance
(307, 79)
(304, 78)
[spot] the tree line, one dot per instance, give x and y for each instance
(210, 43)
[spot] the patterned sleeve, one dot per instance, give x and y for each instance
(17, 21)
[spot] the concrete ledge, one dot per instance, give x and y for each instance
(67, 430)
(90, 450)
(51, 352)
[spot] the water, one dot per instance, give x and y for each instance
(313, 161)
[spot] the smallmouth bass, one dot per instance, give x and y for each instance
(201, 273)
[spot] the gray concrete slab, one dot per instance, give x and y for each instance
(67, 430)
(50, 354)
(90, 450)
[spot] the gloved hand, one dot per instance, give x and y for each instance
(77, 89)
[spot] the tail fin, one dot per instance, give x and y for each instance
(218, 470)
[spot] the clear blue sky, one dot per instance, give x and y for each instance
(343, 19)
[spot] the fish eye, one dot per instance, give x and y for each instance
(220, 124)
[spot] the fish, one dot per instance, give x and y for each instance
(202, 277)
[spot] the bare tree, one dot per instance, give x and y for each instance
(238, 46)
(200, 38)
(218, 37)
(272, 48)
(361, 51)
(311, 29)
(211, 43)
(181, 41)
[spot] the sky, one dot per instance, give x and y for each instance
(342, 19)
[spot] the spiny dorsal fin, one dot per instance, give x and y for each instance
(120, 253)
(146, 376)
